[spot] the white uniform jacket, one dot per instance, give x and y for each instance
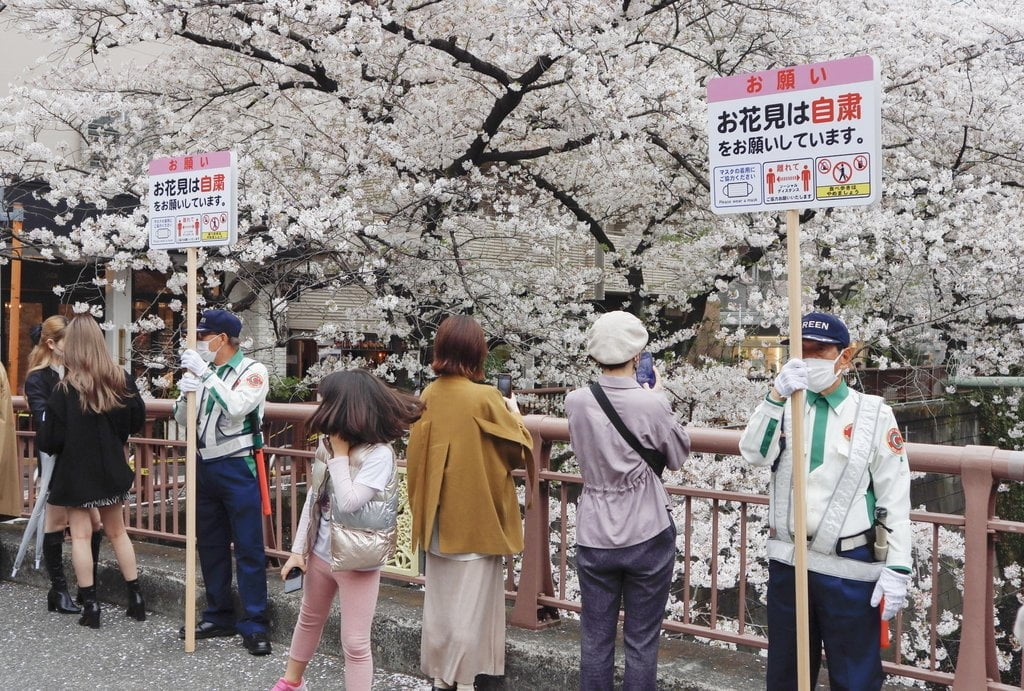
(233, 390)
(886, 484)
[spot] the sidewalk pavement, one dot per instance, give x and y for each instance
(125, 654)
(51, 651)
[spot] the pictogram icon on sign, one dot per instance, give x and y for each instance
(842, 172)
(737, 189)
(843, 176)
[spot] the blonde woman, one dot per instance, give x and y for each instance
(88, 420)
(45, 369)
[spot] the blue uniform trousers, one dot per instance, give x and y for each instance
(841, 618)
(637, 578)
(228, 511)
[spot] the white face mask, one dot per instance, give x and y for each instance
(821, 374)
(203, 348)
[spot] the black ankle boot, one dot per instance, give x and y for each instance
(97, 538)
(58, 599)
(94, 543)
(90, 608)
(136, 605)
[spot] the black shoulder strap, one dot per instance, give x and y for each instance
(782, 440)
(654, 458)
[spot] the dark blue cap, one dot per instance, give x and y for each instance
(219, 322)
(824, 328)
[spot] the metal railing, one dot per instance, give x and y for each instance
(707, 612)
(979, 468)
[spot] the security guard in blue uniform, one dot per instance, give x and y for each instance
(230, 391)
(856, 464)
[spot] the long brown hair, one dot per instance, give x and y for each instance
(53, 330)
(90, 370)
(460, 348)
(361, 409)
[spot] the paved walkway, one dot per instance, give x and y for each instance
(49, 651)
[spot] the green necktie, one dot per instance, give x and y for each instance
(818, 437)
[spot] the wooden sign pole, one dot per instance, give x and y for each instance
(190, 468)
(803, 659)
(14, 311)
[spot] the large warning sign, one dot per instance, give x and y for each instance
(799, 137)
(193, 200)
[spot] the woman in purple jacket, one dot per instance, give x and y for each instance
(625, 536)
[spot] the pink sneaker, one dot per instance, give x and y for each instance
(285, 685)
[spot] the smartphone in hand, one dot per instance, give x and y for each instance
(645, 370)
(293, 581)
(505, 385)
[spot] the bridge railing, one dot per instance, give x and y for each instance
(703, 606)
(980, 470)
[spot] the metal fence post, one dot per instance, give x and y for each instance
(535, 574)
(976, 659)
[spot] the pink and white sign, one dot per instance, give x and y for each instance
(193, 201)
(806, 136)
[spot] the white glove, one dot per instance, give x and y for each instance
(195, 364)
(792, 378)
(190, 383)
(893, 586)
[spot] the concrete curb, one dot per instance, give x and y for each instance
(546, 659)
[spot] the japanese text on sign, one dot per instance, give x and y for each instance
(789, 131)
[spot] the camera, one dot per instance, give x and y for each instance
(645, 370)
(505, 385)
(293, 581)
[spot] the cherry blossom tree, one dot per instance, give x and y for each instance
(452, 156)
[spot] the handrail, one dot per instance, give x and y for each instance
(978, 466)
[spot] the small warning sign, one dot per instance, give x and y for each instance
(187, 229)
(215, 227)
(737, 185)
(843, 176)
(788, 181)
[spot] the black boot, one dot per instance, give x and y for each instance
(90, 608)
(58, 599)
(94, 543)
(136, 605)
(97, 538)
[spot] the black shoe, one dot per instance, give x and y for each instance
(61, 601)
(136, 604)
(257, 643)
(90, 608)
(57, 599)
(488, 682)
(207, 629)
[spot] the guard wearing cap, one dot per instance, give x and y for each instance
(230, 393)
(625, 536)
(856, 463)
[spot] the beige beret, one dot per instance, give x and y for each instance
(615, 338)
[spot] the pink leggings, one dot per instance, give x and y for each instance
(357, 596)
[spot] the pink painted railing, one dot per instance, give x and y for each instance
(980, 469)
(158, 514)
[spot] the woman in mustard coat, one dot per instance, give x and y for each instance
(465, 512)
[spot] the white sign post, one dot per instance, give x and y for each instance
(192, 203)
(800, 137)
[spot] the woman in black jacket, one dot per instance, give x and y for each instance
(45, 369)
(88, 420)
